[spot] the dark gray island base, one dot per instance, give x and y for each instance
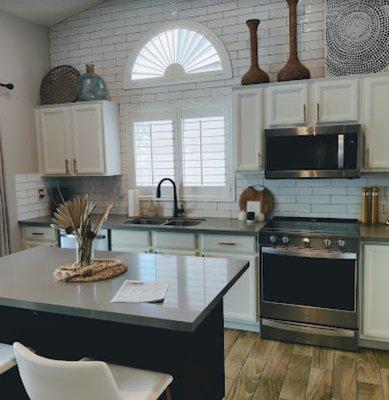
(182, 336)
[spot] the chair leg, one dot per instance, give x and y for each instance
(168, 394)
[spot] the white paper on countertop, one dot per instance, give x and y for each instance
(141, 292)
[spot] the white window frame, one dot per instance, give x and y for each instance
(224, 73)
(176, 114)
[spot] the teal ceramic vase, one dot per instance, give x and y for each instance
(92, 86)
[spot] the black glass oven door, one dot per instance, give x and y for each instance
(309, 278)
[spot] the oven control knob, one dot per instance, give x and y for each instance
(273, 239)
(285, 240)
(327, 243)
(341, 243)
(306, 241)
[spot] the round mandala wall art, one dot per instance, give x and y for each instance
(357, 36)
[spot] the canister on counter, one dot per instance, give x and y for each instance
(366, 205)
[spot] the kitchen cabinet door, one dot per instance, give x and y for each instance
(377, 123)
(241, 301)
(130, 241)
(28, 244)
(287, 105)
(337, 101)
(52, 130)
(375, 298)
(88, 139)
(173, 241)
(248, 129)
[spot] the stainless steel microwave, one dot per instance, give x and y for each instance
(314, 152)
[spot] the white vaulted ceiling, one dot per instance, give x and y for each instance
(46, 12)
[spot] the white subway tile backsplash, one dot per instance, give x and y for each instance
(314, 199)
(29, 205)
(345, 199)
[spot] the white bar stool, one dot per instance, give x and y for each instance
(7, 358)
(46, 379)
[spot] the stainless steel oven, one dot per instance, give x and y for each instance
(314, 152)
(309, 288)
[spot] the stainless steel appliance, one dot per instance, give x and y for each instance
(314, 152)
(101, 242)
(308, 280)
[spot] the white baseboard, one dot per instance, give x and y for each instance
(241, 325)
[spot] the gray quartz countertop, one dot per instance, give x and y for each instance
(210, 225)
(374, 232)
(196, 285)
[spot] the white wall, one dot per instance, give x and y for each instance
(24, 59)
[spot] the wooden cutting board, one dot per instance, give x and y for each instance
(265, 196)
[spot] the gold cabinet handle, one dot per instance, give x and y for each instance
(259, 155)
(67, 165)
(305, 113)
(318, 112)
(75, 165)
(226, 243)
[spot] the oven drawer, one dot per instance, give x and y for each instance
(344, 339)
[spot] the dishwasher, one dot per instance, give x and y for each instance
(101, 242)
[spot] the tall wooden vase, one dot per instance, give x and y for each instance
(254, 74)
(294, 69)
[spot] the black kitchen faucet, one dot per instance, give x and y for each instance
(177, 211)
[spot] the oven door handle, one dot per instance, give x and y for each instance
(310, 253)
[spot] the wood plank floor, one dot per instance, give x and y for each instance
(259, 369)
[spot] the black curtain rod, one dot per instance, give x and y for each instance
(9, 86)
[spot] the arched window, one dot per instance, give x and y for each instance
(178, 52)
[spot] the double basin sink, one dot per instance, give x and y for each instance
(165, 221)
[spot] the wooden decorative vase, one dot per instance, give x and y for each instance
(254, 74)
(294, 69)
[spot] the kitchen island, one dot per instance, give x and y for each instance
(182, 336)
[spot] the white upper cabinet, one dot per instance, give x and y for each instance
(287, 105)
(79, 139)
(377, 123)
(336, 101)
(248, 129)
(53, 125)
(375, 320)
(88, 143)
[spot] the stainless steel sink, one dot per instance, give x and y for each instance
(147, 221)
(184, 222)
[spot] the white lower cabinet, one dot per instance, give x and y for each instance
(34, 236)
(29, 244)
(375, 296)
(174, 243)
(241, 301)
(192, 253)
(130, 241)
